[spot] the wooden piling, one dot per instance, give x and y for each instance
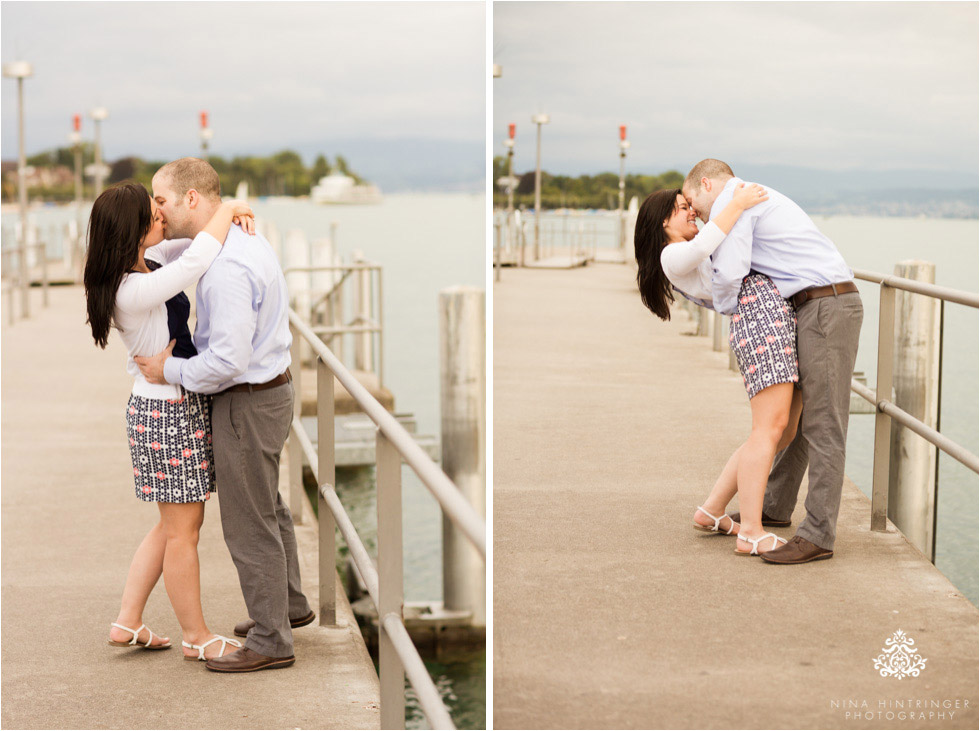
(912, 475)
(462, 328)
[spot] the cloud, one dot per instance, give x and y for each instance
(264, 70)
(827, 85)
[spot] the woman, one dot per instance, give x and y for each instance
(671, 251)
(134, 282)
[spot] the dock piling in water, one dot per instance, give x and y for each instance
(462, 329)
(912, 477)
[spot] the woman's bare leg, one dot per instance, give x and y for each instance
(726, 486)
(182, 572)
(770, 418)
(144, 572)
(795, 409)
(721, 494)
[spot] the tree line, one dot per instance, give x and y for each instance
(584, 191)
(283, 173)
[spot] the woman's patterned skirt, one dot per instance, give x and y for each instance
(763, 335)
(170, 443)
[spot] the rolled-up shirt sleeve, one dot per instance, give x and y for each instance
(683, 257)
(228, 293)
(731, 263)
(144, 291)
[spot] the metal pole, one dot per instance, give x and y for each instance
(496, 252)
(25, 281)
(939, 416)
(381, 331)
(537, 197)
(390, 581)
(622, 197)
(510, 186)
(296, 492)
(462, 330)
(326, 475)
(883, 392)
(911, 484)
(43, 254)
(98, 157)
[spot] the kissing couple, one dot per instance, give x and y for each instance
(208, 412)
(795, 320)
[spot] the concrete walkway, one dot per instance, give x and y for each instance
(610, 611)
(70, 525)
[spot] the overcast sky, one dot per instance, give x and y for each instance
(830, 85)
(271, 74)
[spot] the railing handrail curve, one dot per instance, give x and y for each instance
(459, 511)
(949, 294)
(953, 449)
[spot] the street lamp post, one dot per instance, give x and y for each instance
(538, 119)
(206, 135)
(21, 70)
(623, 147)
(98, 114)
(76, 142)
(509, 144)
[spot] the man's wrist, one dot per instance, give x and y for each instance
(171, 369)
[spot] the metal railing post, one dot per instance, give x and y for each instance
(390, 596)
(381, 330)
(717, 332)
(883, 392)
(43, 249)
(496, 251)
(326, 474)
(296, 492)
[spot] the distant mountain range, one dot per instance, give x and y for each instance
(944, 194)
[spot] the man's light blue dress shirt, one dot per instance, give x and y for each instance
(242, 333)
(775, 238)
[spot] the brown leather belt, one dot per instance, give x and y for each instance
(252, 387)
(814, 293)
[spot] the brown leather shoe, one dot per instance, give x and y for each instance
(797, 550)
(247, 661)
(766, 520)
(242, 628)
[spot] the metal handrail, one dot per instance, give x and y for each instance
(958, 296)
(954, 450)
(886, 410)
(442, 488)
(384, 582)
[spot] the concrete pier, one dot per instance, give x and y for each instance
(70, 525)
(610, 427)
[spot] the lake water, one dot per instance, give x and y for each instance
(424, 243)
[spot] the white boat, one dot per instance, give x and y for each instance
(340, 188)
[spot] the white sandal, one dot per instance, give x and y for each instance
(777, 542)
(716, 527)
(225, 641)
(136, 634)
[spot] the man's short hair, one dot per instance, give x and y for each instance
(191, 172)
(709, 168)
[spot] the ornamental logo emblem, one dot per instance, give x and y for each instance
(899, 658)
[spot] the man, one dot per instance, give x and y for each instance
(242, 337)
(778, 239)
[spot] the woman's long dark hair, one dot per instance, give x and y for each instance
(120, 218)
(649, 239)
